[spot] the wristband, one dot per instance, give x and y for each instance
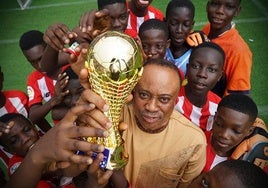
(71, 49)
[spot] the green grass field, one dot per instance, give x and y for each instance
(252, 24)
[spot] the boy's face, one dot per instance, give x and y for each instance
(154, 43)
(142, 4)
(204, 70)
(119, 16)
(230, 127)
(34, 55)
(220, 13)
(218, 177)
(22, 136)
(155, 95)
(180, 23)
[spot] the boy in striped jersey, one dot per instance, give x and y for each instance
(11, 101)
(233, 122)
(195, 100)
(40, 86)
(140, 11)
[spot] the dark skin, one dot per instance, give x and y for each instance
(216, 179)
(203, 72)
(154, 43)
(138, 8)
(220, 14)
(57, 145)
(180, 23)
(38, 111)
(230, 127)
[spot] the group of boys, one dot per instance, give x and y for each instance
(159, 140)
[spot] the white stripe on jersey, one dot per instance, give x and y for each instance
(3, 111)
(217, 160)
(16, 102)
(44, 89)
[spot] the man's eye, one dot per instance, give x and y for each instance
(143, 95)
(164, 100)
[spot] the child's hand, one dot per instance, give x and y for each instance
(5, 128)
(60, 142)
(95, 22)
(59, 88)
(58, 35)
(96, 176)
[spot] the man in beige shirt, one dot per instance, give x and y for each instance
(165, 149)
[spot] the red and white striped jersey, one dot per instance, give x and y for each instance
(202, 117)
(39, 88)
(16, 102)
(212, 158)
(134, 22)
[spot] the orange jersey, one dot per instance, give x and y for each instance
(238, 62)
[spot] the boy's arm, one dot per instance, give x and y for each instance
(38, 111)
(56, 36)
(58, 145)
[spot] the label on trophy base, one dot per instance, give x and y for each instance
(105, 163)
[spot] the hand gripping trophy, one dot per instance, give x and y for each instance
(114, 65)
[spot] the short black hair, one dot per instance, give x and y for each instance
(241, 103)
(173, 4)
(103, 3)
(154, 24)
(10, 116)
(30, 39)
(164, 63)
(247, 173)
(208, 45)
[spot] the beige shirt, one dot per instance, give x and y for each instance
(171, 158)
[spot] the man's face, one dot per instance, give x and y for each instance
(119, 16)
(155, 96)
(220, 13)
(230, 127)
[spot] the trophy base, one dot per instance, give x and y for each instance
(106, 162)
(113, 158)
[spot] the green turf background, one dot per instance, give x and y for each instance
(252, 24)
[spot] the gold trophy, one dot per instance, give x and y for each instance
(114, 65)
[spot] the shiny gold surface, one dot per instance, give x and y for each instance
(114, 65)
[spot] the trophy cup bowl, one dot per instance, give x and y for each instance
(114, 65)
